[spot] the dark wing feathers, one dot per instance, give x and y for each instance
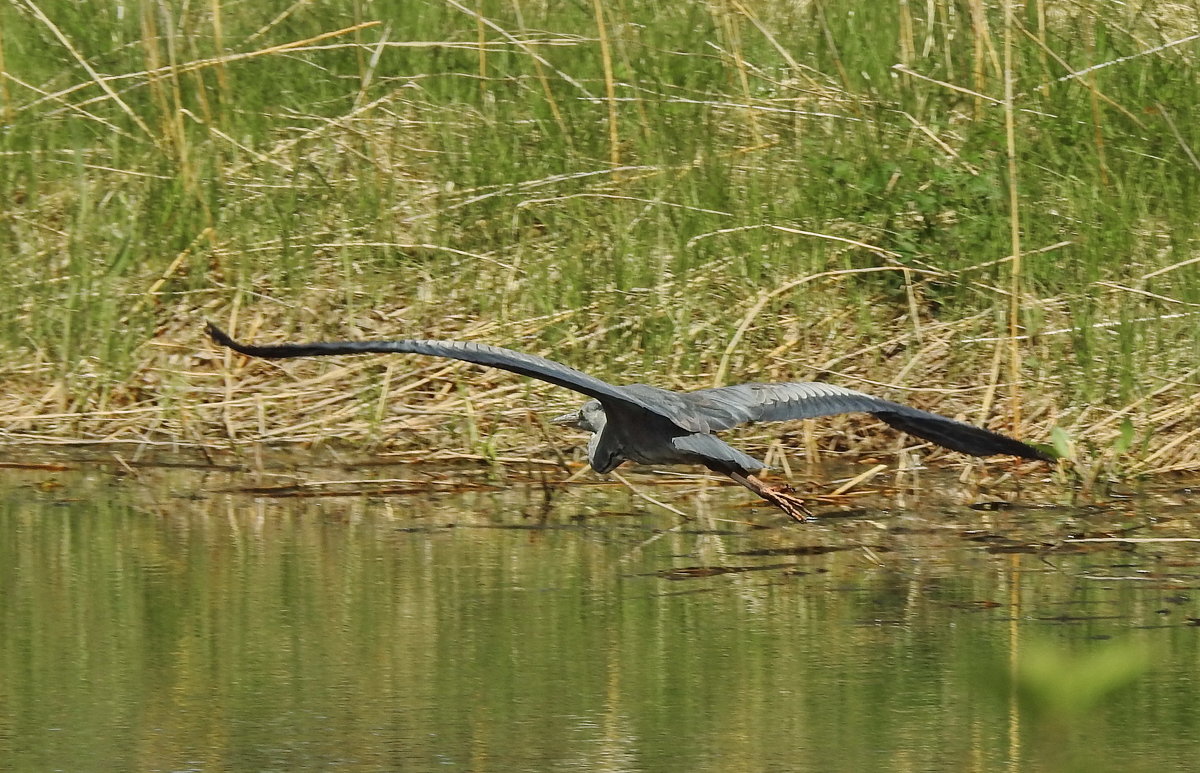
(957, 435)
(727, 407)
(715, 453)
(479, 354)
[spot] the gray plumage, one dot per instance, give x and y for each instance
(648, 425)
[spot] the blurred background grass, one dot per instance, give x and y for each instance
(630, 187)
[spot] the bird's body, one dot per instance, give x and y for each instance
(648, 425)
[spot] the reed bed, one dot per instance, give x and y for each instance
(681, 195)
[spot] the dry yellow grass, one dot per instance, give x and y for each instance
(185, 392)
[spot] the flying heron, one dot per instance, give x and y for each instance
(648, 425)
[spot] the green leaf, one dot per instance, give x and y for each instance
(1061, 442)
(1125, 439)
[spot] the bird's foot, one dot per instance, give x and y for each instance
(784, 498)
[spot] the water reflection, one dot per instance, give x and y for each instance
(145, 628)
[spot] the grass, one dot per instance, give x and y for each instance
(628, 187)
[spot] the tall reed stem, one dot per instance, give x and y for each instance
(1014, 220)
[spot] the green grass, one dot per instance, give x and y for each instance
(365, 185)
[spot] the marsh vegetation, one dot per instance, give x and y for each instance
(681, 194)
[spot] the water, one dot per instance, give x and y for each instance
(159, 622)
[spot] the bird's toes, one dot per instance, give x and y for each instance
(792, 505)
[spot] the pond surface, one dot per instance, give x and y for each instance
(170, 620)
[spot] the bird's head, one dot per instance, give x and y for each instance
(589, 417)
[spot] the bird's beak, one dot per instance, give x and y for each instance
(567, 420)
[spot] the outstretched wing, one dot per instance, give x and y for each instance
(726, 407)
(479, 354)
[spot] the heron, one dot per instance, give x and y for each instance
(648, 425)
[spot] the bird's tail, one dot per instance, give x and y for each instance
(958, 436)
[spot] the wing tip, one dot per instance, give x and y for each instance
(218, 335)
(222, 338)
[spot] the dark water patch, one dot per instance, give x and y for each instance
(1079, 618)
(994, 506)
(981, 604)
(808, 550)
(694, 572)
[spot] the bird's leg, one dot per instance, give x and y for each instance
(780, 496)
